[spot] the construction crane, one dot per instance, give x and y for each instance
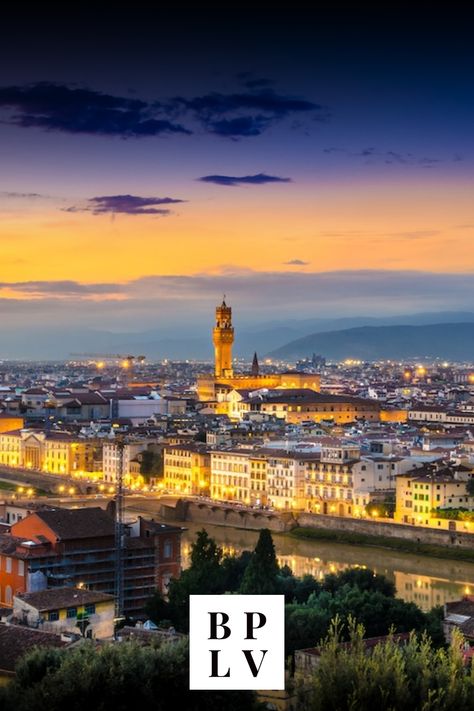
(119, 572)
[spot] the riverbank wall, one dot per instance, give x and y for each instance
(388, 529)
(281, 522)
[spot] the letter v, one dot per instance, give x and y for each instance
(250, 661)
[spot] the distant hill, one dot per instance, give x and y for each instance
(58, 342)
(444, 340)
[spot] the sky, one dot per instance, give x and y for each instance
(307, 165)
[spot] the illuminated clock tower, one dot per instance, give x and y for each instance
(223, 338)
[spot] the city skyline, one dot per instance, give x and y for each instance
(317, 169)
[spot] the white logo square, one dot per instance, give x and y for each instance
(236, 642)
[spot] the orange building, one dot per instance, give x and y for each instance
(57, 547)
(8, 423)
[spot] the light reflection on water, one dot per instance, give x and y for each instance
(420, 579)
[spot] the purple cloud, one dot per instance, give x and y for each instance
(230, 180)
(126, 205)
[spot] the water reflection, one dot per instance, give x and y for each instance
(425, 581)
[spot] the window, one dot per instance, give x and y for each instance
(53, 616)
(89, 609)
(8, 567)
(21, 567)
(71, 612)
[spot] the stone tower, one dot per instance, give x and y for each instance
(223, 338)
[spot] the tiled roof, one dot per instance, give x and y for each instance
(15, 641)
(59, 598)
(68, 524)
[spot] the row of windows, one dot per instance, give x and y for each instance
(333, 478)
(332, 494)
(71, 613)
(6, 564)
(227, 480)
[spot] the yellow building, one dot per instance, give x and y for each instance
(230, 475)
(285, 478)
(258, 480)
(419, 492)
(215, 387)
(68, 609)
(393, 415)
(55, 453)
(329, 481)
(187, 469)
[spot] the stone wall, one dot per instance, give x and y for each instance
(388, 529)
(222, 515)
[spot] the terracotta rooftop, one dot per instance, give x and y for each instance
(68, 524)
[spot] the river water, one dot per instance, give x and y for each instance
(421, 579)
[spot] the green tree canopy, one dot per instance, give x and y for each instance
(261, 575)
(115, 677)
(416, 676)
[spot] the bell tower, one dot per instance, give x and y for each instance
(223, 338)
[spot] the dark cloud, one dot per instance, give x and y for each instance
(242, 114)
(72, 109)
(371, 155)
(125, 204)
(58, 107)
(230, 180)
(296, 263)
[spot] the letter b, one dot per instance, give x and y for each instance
(222, 623)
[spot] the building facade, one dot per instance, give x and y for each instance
(76, 547)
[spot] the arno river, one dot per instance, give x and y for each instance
(420, 579)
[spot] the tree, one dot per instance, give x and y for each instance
(151, 463)
(204, 576)
(415, 676)
(114, 677)
(157, 608)
(261, 575)
(205, 551)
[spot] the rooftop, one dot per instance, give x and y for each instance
(16, 640)
(68, 524)
(59, 598)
